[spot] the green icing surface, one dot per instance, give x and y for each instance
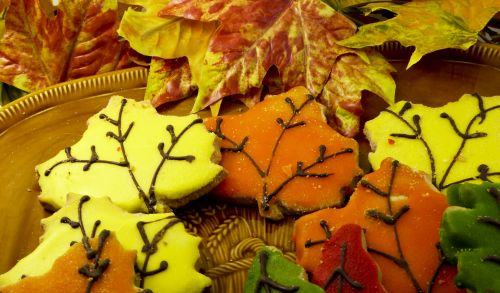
(470, 235)
(279, 270)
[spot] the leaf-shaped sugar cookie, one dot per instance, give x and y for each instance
(166, 253)
(401, 213)
(282, 154)
(114, 270)
(470, 235)
(136, 157)
(345, 265)
(455, 143)
(271, 272)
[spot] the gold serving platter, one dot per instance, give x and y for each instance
(35, 127)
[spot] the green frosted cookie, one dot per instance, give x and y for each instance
(272, 272)
(470, 235)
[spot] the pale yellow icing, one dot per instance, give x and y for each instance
(177, 247)
(176, 179)
(443, 141)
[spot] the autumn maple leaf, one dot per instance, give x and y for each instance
(427, 25)
(298, 37)
(295, 39)
(4, 6)
(43, 45)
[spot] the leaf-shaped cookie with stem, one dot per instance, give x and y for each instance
(453, 143)
(272, 272)
(166, 254)
(345, 264)
(470, 235)
(45, 45)
(282, 154)
(400, 212)
(136, 157)
(428, 25)
(110, 269)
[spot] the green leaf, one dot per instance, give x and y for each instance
(427, 25)
(166, 37)
(470, 235)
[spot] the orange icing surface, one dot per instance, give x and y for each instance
(418, 228)
(65, 278)
(300, 143)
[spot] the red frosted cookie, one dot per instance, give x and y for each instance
(345, 265)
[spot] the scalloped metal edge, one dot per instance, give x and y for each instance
(71, 90)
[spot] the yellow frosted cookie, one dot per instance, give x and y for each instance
(166, 253)
(137, 158)
(109, 269)
(455, 143)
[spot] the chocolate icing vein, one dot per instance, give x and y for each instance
(340, 273)
(266, 282)
(328, 235)
(465, 136)
(150, 199)
(94, 270)
(391, 219)
(300, 171)
(150, 247)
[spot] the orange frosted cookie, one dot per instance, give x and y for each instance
(109, 268)
(400, 212)
(282, 154)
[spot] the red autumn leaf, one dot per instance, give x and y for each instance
(297, 37)
(44, 45)
(169, 80)
(347, 264)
